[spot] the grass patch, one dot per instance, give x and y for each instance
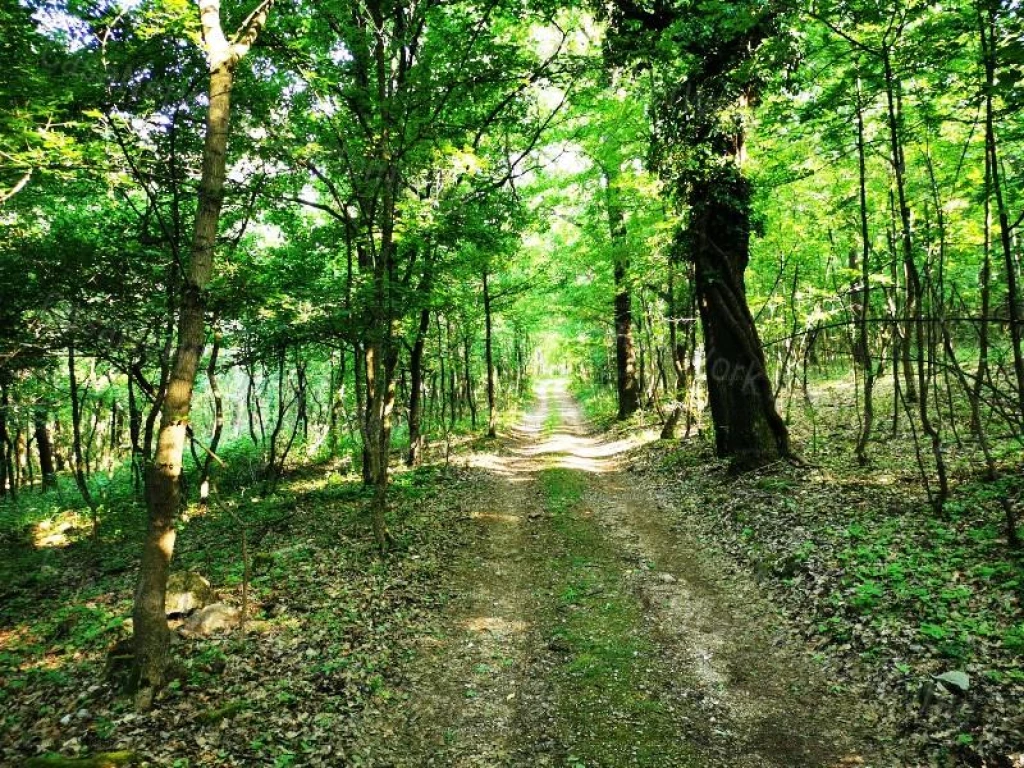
(599, 404)
(609, 711)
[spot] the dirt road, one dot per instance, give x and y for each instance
(585, 633)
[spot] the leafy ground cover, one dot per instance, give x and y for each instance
(331, 624)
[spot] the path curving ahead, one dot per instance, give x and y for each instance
(585, 632)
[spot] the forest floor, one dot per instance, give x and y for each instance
(558, 596)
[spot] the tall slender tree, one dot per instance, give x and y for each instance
(163, 490)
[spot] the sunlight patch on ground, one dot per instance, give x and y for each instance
(51, 662)
(500, 465)
(309, 484)
(494, 624)
(527, 430)
(850, 760)
(10, 637)
(586, 454)
(57, 532)
(584, 464)
(495, 517)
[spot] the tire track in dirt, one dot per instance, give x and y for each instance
(462, 700)
(763, 702)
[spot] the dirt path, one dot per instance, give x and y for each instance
(585, 633)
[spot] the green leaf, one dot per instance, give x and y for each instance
(955, 679)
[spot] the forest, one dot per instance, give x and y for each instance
(511, 383)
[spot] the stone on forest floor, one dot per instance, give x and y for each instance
(187, 592)
(213, 618)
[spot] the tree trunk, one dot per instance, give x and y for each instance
(44, 446)
(1009, 262)
(76, 437)
(467, 375)
(218, 422)
(380, 365)
(6, 465)
(158, 396)
(680, 349)
(748, 428)
(492, 408)
(627, 388)
(914, 291)
(862, 306)
(894, 121)
(416, 390)
(985, 288)
(152, 637)
(135, 433)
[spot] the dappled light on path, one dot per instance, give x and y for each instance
(495, 624)
(552, 435)
(495, 517)
(583, 623)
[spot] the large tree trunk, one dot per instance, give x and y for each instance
(163, 491)
(748, 428)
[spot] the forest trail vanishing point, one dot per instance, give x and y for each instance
(586, 632)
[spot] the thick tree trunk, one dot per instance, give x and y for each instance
(152, 637)
(748, 428)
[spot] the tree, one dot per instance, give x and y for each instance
(699, 139)
(152, 637)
